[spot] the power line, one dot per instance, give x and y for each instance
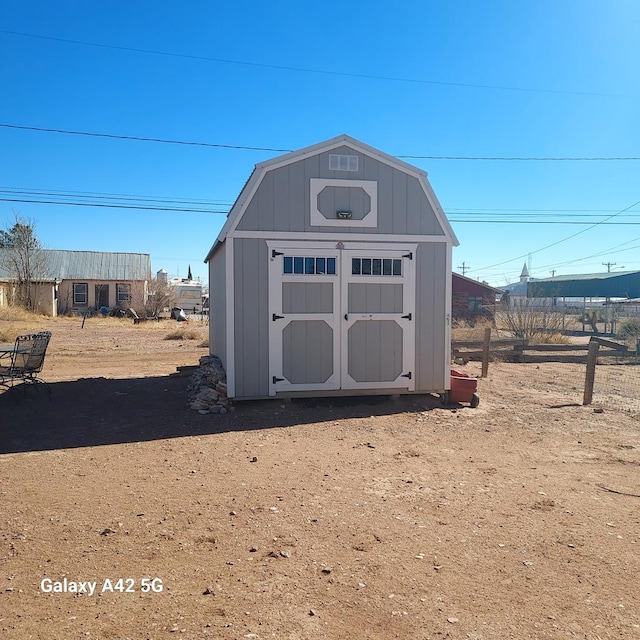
(553, 244)
(142, 139)
(28, 192)
(615, 249)
(79, 198)
(524, 158)
(344, 74)
(539, 222)
(453, 209)
(114, 206)
(114, 136)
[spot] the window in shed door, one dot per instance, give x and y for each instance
(376, 267)
(309, 265)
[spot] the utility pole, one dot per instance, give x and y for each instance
(553, 273)
(464, 268)
(609, 265)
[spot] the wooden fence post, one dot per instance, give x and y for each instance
(485, 352)
(592, 359)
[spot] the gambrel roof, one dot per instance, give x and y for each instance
(261, 169)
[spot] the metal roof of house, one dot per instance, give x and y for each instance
(621, 284)
(94, 265)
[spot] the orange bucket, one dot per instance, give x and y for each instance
(463, 388)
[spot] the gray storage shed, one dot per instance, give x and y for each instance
(332, 276)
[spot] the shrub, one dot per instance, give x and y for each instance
(185, 333)
(529, 319)
(16, 313)
(629, 329)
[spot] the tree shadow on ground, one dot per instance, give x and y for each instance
(100, 411)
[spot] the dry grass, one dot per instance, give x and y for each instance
(552, 337)
(462, 330)
(183, 332)
(15, 321)
(7, 334)
(11, 313)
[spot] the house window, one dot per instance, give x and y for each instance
(123, 292)
(80, 294)
(376, 267)
(309, 265)
(475, 303)
(342, 162)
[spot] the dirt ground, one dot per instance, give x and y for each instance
(351, 518)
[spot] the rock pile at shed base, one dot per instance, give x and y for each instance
(208, 387)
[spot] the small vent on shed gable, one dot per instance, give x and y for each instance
(339, 162)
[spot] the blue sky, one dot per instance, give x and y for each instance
(472, 79)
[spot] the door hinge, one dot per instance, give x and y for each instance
(275, 253)
(406, 375)
(274, 379)
(275, 317)
(407, 317)
(408, 255)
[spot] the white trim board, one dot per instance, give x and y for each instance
(230, 293)
(334, 238)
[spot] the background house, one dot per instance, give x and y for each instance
(472, 300)
(82, 280)
(332, 275)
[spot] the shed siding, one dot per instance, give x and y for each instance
(431, 312)
(251, 318)
(375, 298)
(282, 200)
(307, 351)
(218, 305)
(375, 351)
(307, 297)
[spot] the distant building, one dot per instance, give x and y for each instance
(518, 290)
(472, 300)
(187, 292)
(83, 280)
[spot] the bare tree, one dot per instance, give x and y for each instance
(23, 259)
(160, 296)
(529, 318)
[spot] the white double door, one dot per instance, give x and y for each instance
(341, 318)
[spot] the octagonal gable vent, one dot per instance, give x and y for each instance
(343, 203)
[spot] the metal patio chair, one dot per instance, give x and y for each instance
(26, 362)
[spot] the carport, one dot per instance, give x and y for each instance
(601, 289)
(623, 284)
